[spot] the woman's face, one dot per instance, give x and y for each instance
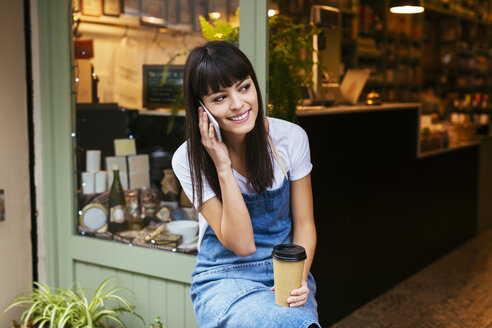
(235, 108)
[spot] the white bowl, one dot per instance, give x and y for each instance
(187, 228)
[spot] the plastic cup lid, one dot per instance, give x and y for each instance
(289, 253)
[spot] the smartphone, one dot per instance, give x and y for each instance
(214, 122)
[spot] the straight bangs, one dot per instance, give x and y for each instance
(218, 71)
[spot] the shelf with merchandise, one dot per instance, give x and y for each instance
(457, 47)
(387, 43)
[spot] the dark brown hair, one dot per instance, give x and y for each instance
(213, 66)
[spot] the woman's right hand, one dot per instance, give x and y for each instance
(215, 148)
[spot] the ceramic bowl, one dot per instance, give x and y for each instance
(187, 228)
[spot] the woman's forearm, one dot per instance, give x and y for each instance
(235, 225)
(304, 228)
(306, 237)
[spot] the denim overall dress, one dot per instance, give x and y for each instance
(232, 291)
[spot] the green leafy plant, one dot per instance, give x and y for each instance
(219, 30)
(289, 71)
(157, 323)
(56, 307)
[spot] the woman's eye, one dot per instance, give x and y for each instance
(218, 99)
(245, 87)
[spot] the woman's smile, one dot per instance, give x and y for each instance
(240, 118)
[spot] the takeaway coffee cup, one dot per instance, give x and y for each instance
(288, 265)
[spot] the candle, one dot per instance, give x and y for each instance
(100, 178)
(93, 161)
(88, 181)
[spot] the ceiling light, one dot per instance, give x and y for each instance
(406, 7)
(154, 21)
(215, 15)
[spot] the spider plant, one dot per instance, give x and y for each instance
(56, 307)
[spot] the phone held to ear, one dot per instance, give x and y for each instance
(214, 122)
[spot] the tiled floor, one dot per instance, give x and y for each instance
(454, 292)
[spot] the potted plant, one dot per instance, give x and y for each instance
(56, 307)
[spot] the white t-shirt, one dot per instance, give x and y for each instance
(292, 145)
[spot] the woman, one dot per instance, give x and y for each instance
(252, 189)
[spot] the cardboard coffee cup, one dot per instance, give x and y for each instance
(288, 266)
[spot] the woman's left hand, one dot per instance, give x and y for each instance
(298, 296)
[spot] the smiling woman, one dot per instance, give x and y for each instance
(252, 189)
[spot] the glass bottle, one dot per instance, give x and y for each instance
(466, 110)
(117, 204)
(170, 189)
(133, 210)
(476, 111)
(94, 82)
(455, 112)
(485, 116)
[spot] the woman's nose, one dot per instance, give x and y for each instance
(236, 102)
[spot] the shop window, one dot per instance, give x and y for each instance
(128, 65)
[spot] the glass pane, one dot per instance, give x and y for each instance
(128, 69)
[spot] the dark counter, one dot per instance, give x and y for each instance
(381, 211)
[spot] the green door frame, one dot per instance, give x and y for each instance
(56, 104)
(63, 246)
(253, 39)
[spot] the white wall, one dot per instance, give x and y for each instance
(15, 242)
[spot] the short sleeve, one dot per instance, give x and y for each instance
(182, 171)
(300, 155)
